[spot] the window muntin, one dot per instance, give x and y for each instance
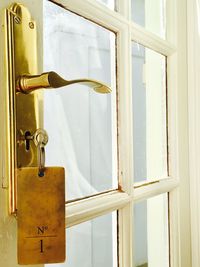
(81, 122)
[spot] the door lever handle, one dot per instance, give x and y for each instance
(28, 83)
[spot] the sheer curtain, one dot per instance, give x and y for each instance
(75, 48)
(79, 125)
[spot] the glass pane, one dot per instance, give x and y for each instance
(149, 114)
(92, 244)
(150, 14)
(80, 122)
(151, 234)
(109, 3)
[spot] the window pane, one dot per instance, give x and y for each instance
(109, 3)
(151, 232)
(92, 244)
(150, 14)
(149, 114)
(80, 122)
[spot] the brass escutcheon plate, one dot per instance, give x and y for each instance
(24, 113)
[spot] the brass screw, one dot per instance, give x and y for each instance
(31, 25)
(17, 19)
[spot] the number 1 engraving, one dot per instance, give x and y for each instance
(41, 246)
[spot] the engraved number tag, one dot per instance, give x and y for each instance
(41, 215)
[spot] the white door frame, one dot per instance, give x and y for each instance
(193, 17)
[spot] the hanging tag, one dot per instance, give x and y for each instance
(41, 215)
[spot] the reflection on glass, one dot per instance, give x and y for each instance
(149, 114)
(78, 120)
(151, 241)
(108, 3)
(150, 14)
(92, 244)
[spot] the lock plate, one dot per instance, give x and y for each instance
(25, 111)
(41, 215)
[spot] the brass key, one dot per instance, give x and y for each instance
(40, 139)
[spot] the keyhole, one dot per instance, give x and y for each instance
(27, 140)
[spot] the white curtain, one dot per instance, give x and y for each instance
(78, 122)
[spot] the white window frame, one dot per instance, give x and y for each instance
(178, 183)
(193, 8)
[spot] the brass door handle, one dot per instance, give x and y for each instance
(28, 83)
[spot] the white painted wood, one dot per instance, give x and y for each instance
(114, 21)
(87, 209)
(124, 8)
(125, 221)
(155, 188)
(174, 228)
(174, 202)
(125, 140)
(150, 40)
(95, 12)
(179, 201)
(193, 8)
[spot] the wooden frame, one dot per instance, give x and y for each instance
(126, 31)
(194, 127)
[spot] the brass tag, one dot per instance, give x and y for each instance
(41, 215)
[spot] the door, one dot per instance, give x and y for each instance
(125, 153)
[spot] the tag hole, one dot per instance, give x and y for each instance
(41, 174)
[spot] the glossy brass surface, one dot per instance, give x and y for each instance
(41, 216)
(21, 50)
(29, 83)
